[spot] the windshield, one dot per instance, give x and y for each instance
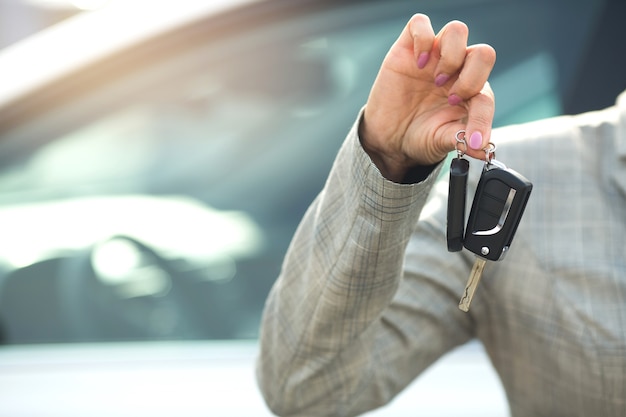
(159, 205)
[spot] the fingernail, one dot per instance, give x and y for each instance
(454, 100)
(476, 141)
(441, 79)
(422, 59)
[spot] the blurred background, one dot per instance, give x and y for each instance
(157, 156)
(20, 18)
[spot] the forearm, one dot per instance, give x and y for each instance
(341, 272)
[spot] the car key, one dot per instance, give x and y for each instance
(497, 209)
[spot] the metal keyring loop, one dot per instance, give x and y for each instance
(490, 152)
(460, 140)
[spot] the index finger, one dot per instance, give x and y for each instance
(479, 61)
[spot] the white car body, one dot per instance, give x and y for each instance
(207, 379)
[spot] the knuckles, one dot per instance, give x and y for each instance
(484, 53)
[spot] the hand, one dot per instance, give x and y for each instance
(428, 88)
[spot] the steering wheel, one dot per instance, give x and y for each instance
(123, 289)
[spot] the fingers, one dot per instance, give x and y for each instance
(464, 71)
(472, 87)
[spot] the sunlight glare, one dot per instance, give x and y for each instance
(89, 4)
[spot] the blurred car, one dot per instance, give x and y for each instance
(156, 158)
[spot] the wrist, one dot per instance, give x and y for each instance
(388, 167)
(398, 169)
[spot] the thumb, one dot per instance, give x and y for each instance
(480, 112)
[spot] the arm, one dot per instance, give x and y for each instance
(338, 335)
(342, 331)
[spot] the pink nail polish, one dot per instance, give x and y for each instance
(422, 59)
(476, 140)
(454, 100)
(441, 79)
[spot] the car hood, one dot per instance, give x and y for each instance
(130, 379)
(207, 378)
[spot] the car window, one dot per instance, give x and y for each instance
(159, 205)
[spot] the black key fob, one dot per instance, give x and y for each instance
(497, 209)
(457, 191)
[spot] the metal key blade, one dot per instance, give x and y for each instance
(472, 284)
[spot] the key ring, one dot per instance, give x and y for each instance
(460, 140)
(490, 152)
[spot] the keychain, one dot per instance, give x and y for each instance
(497, 208)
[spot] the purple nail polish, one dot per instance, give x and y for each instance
(454, 100)
(476, 140)
(422, 60)
(441, 79)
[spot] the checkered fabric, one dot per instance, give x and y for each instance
(368, 294)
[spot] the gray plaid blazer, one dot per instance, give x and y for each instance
(368, 293)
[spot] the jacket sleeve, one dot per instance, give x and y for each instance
(350, 321)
